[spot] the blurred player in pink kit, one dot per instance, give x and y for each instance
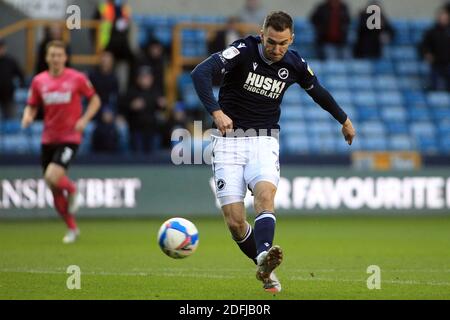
(59, 91)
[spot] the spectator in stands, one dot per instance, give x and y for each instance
(253, 12)
(105, 136)
(331, 21)
(115, 16)
(435, 48)
(51, 33)
(226, 36)
(105, 83)
(9, 71)
(222, 39)
(370, 42)
(140, 108)
(153, 56)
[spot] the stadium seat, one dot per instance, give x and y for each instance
(373, 142)
(385, 82)
(361, 82)
(334, 67)
(360, 67)
(292, 113)
(397, 127)
(365, 98)
(404, 53)
(444, 144)
(439, 99)
(366, 113)
(296, 144)
(390, 98)
(416, 113)
(401, 142)
(422, 129)
(10, 126)
(394, 113)
(372, 128)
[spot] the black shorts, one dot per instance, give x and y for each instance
(61, 154)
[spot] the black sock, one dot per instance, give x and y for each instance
(247, 243)
(264, 231)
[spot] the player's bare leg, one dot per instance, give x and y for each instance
(241, 231)
(56, 179)
(268, 257)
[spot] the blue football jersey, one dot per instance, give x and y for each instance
(253, 86)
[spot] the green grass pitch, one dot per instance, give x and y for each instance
(325, 258)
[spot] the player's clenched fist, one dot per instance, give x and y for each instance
(348, 131)
(222, 121)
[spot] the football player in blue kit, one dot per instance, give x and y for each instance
(256, 72)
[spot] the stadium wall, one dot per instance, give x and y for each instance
(117, 191)
(300, 8)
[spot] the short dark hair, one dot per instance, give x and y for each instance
(56, 44)
(279, 20)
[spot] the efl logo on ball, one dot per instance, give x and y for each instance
(178, 238)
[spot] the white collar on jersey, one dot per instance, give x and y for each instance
(261, 54)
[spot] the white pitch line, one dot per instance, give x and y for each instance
(186, 273)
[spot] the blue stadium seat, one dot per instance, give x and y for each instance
(404, 53)
(395, 113)
(292, 113)
(319, 128)
(408, 68)
(423, 129)
(372, 128)
(401, 142)
(402, 32)
(336, 82)
(444, 127)
(360, 67)
(343, 97)
(296, 144)
(410, 82)
(439, 99)
(314, 112)
(365, 98)
(322, 143)
(444, 144)
(361, 82)
(293, 96)
(373, 142)
(366, 113)
(397, 127)
(16, 143)
(334, 67)
(383, 66)
(416, 113)
(390, 98)
(10, 126)
(385, 82)
(427, 144)
(293, 128)
(20, 96)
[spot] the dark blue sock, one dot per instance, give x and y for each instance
(247, 243)
(264, 231)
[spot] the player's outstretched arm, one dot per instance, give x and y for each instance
(92, 109)
(29, 114)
